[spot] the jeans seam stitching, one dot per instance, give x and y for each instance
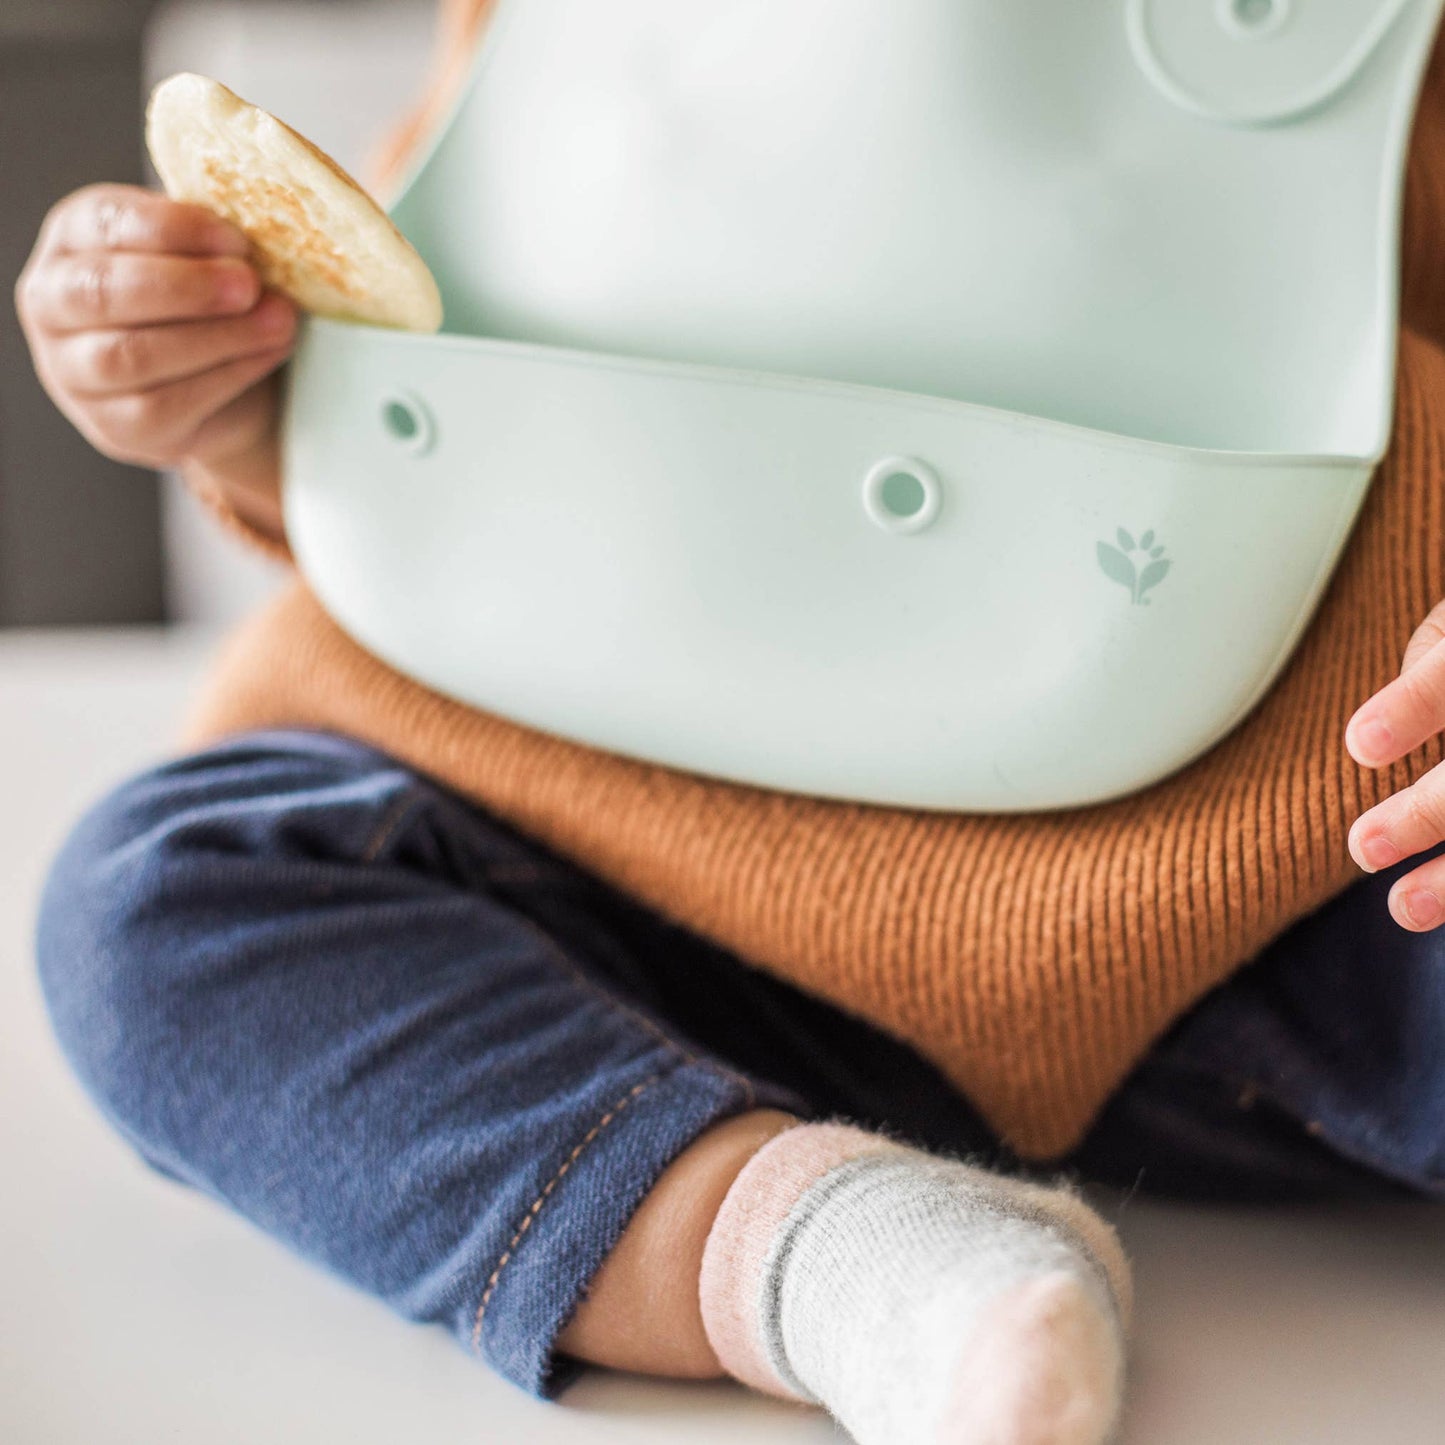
(390, 823)
(509, 1253)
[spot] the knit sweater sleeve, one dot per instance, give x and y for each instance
(220, 506)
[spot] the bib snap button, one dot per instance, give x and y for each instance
(902, 494)
(1252, 19)
(408, 422)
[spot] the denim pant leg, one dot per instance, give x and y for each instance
(1318, 1071)
(288, 970)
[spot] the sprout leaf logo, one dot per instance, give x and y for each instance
(1119, 564)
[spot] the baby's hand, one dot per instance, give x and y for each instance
(1400, 717)
(149, 329)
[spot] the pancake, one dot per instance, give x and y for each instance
(316, 235)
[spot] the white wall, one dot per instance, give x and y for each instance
(340, 72)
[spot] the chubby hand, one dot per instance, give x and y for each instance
(149, 328)
(1395, 721)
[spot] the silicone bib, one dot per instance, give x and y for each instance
(937, 403)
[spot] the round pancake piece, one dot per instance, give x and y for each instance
(315, 234)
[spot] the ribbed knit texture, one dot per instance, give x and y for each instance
(1033, 958)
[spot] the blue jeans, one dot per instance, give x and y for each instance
(435, 1057)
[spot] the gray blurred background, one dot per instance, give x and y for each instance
(84, 541)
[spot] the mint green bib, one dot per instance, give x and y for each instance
(937, 403)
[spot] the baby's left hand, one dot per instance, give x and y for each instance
(1401, 716)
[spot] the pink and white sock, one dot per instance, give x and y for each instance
(916, 1298)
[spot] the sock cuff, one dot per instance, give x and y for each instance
(754, 1209)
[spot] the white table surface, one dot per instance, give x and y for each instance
(131, 1311)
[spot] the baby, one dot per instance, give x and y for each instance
(427, 1052)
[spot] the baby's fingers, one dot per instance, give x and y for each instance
(1426, 635)
(127, 218)
(103, 290)
(140, 358)
(1406, 823)
(159, 427)
(1402, 715)
(1417, 901)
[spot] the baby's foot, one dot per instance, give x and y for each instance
(1041, 1367)
(916, 1298)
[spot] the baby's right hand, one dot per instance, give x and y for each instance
(149, 329)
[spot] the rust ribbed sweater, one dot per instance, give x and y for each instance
(1034, 958)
